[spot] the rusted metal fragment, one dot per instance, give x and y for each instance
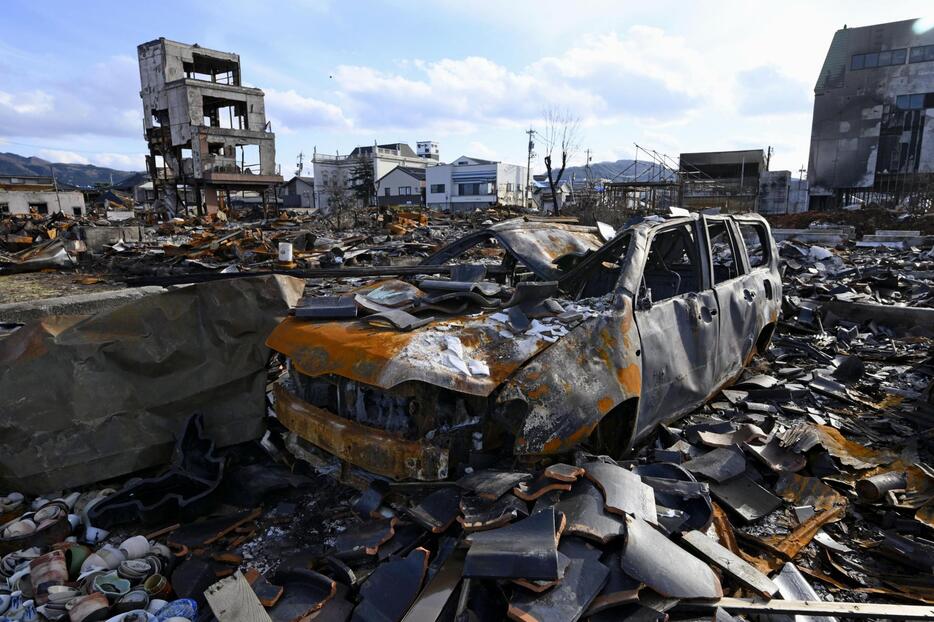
(874, 488)
(530, 491)
(369, 448)
(567, 601)
(584, 376)
(386, 357)
(364, 539)
(720, 464)
(623, 490)
(437, 511)
(727, 539)
(527, 549)
(745, 497)
(674, 488)
(620, 588)
(587, 516)
(490, 484)
(536, 244)
(741, 571)
(680, 576)
(801, 490)
(480, 514)
(788, 546)
(851, 453)
(392, 588)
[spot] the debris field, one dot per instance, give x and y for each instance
(152, 468)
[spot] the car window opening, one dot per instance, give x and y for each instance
(722, 252)
(672, 265)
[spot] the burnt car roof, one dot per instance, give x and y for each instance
(537, 244)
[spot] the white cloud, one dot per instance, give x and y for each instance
(63, 157)
(767, 90)
(478, 150)
(120, 161)
(293, 111)
(102, 103)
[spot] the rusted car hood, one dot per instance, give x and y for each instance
(386, 357)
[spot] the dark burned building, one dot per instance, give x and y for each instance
(872, 137)
(728, 180)
(205, 130)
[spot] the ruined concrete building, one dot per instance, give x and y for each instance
(872, 137)
(205, 130)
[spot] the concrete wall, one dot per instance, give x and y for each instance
(18, 202)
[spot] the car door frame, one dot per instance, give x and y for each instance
(736, 304)
(691, 314)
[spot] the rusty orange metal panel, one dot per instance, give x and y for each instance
(369, 448)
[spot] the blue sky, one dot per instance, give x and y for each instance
(670, 76)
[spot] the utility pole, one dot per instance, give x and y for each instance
(528, 168)
(801, 172)
(301, 164)
(55, 185)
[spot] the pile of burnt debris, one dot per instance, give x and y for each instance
(803, 489)
(140, 252)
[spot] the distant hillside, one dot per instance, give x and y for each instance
(621, 170)
(71, 174)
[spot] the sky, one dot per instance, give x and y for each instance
(472, 75)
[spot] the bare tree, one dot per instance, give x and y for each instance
(340, 202)
(562, 134)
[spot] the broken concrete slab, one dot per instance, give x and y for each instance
(94, 398)
(76, 304)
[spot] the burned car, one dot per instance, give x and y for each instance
(556, 336)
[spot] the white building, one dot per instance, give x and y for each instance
(333, 172)
(402, 186)
(22, 195)
(471, 183)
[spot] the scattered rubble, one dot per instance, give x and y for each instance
(803, 489)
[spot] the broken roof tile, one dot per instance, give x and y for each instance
(681, 575)
(623, 490)
(526, 549)
(586, 514)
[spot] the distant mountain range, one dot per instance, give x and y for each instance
(83, 175)
(621, 170)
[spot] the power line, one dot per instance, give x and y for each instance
(4, 141)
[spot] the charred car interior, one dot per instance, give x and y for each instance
(560, 335)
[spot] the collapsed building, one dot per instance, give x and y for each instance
(872, 136)
(204, 128)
